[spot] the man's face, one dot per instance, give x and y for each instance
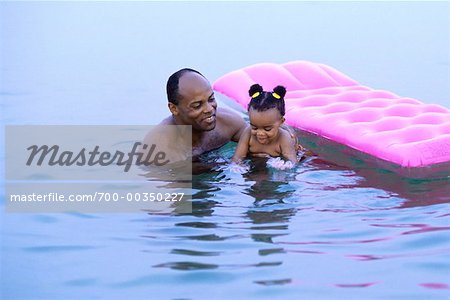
(197, 105)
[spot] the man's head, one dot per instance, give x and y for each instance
(173, 84)
(191, 100)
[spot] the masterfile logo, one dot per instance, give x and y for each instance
(107, 168)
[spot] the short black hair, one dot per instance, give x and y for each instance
(262, 101)
(172, 84)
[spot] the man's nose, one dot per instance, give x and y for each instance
(208, 108)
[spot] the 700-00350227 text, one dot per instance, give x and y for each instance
(98, 197)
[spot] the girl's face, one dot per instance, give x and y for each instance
(265, 124)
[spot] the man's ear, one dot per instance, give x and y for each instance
(282, 120)
(173, 109)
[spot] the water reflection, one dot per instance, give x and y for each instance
(267, 186)
(265, 222)
(260, 214)
(195, 253)
(413, 192)
(190, 266)
(278, 195)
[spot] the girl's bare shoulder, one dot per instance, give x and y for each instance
(286, 134)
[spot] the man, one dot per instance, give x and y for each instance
(192, 102)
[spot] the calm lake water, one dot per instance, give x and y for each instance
(320, 231)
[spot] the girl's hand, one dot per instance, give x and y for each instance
(238, 168)
(280, 164)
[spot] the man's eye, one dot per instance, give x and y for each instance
(254, 128)
(196, 106)
(212, 100)
(268, 128)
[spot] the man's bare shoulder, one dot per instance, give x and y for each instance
(232, 122)
(161, 133)
(227, 115)
(167, 121)
(174, 141)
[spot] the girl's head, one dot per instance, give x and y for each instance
(266, 113)
(262, 101)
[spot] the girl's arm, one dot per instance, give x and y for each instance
(288, 148)
(242, 146)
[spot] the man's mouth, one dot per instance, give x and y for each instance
(210, 119)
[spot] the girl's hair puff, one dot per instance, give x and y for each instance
(262, 101)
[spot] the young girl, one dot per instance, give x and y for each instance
(266, 136)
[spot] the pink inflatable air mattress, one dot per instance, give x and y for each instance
(402, 134)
